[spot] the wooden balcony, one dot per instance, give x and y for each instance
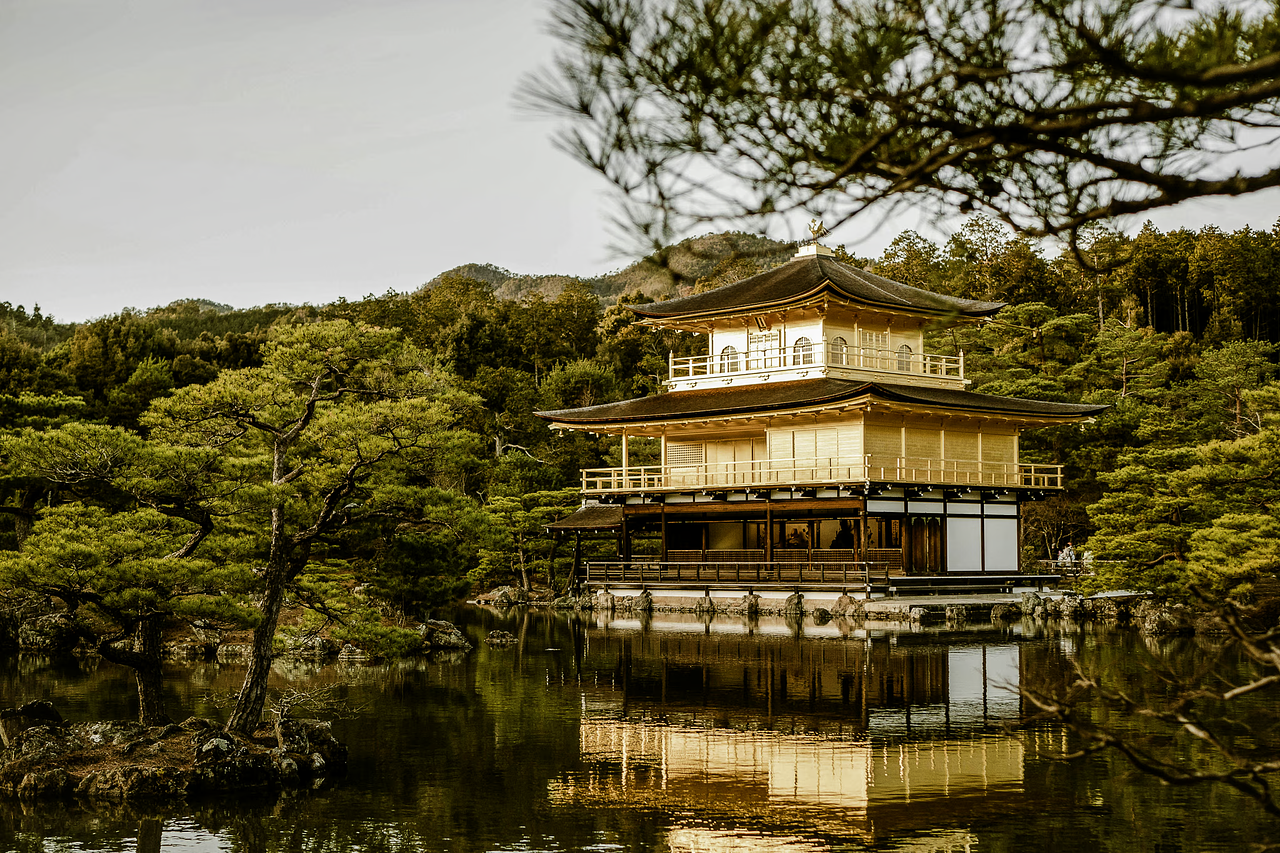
(818, 472)
(832, 569)
(833, 357)
(748, 568)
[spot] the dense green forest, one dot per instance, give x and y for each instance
(384, 452)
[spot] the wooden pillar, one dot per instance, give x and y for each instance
(664, 533)
(577, 555)
(942, 543)
(936, 561)
(768, 530)
(866, 541)
(982, 536)
(908, 553)
(1018, 509)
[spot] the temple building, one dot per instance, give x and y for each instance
(816, 445)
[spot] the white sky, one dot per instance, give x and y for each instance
(255, 151)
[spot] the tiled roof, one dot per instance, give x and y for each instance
(591, 516)
(801, 278)
(777, 396)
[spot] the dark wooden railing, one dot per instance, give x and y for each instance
(795, 567)
(721, 570)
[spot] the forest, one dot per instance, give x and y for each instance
(369, 461)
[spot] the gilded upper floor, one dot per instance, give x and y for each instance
(814, 317)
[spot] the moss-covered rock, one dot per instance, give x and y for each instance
(126, 761)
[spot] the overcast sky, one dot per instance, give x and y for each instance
(255, 151)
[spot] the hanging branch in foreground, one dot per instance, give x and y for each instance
(1205, 708)
(1049, 114)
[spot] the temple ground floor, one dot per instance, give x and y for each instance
(873, 541)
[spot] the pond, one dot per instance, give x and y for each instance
(677, 733)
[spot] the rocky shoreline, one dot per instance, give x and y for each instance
(44, 757)
(1146, 613)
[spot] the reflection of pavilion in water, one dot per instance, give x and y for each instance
(756, 674)
(750, 735)
(766, 791)
(748, 791)
(755, 767)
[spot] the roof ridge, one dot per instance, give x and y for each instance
(800, 278)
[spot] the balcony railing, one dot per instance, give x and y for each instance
(817, 354)
(747, 568)
(821, 569)
(818, 471)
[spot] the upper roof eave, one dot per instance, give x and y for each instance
(803, 279)
(808, 394)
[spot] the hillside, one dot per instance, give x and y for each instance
(670, 272)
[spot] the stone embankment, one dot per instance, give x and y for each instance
(1148, 614)
(44, 757)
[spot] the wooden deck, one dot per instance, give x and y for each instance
(795, 569)
(818, 472)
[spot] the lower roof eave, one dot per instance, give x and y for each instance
(765, 400)
(744, 494)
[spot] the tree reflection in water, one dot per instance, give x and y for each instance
(670, 733)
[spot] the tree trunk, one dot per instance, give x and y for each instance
(24, 513)
(150, 835)
(150, 678)
(551, 563)
(145, 661)
(247, 713)
(524, 567)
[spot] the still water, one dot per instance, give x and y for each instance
(675, 734)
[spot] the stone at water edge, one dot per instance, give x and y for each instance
(53, 634)
(310, 744)
(126, 761)
(438, 634)
(1005, 612)
(14, 721)
(509, 596)
(500, 638)
(351, 654)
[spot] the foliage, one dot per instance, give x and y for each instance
(426, 563)
(1197, 513)
(130, 571)
(338, 603)
(1213, 725)
(1049, 114)
(523, 549)
(305, 436)
(121, 565)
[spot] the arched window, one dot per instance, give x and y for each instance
(839, 351)
(802, 351)
(729, 360)
(904, 359)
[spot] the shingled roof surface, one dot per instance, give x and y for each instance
(775, 396)
(801, 278)
(590, 517)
